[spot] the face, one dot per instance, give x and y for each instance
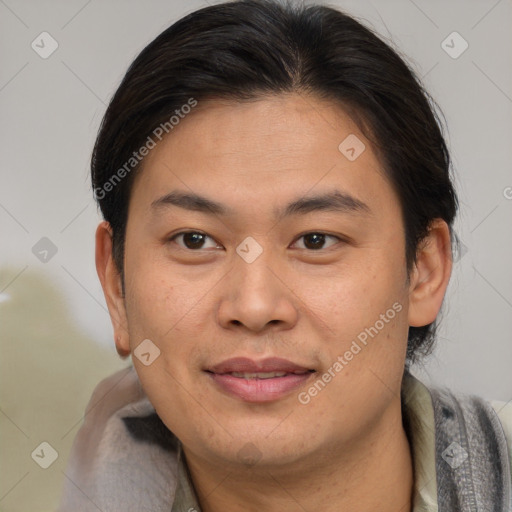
(280, 307)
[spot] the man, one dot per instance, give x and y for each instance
(275, 251)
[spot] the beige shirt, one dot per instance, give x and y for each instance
(420, 414)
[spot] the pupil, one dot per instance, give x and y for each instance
(195, 240)
(317, 243)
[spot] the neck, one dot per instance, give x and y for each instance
(375, 473)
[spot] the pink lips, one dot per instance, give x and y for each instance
(259, 389)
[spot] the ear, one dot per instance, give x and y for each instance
(111, 282)
(431, 274)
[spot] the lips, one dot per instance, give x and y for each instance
(259, 381)
(243, 364)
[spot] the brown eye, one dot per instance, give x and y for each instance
(316, 241)
(192, 240)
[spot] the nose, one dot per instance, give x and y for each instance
(258, 296)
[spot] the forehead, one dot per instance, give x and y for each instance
(269, 150)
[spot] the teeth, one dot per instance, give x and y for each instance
(259, 375)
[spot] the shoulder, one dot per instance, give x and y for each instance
(467, 444)
(473, 451)
(110, 465)
(110, 396)
(504, 412)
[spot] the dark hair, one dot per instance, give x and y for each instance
(246, 49)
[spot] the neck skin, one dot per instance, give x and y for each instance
(374, 473)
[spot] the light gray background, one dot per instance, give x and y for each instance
(56, 336)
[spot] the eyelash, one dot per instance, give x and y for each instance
(172, 239)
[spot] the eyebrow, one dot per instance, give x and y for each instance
(331, 201)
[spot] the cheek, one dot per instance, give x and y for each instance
(366, 287)
(147, 299)
(364, 314)
(173, 312)
(157, 297)
(163, 310)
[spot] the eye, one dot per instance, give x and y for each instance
(315, 241)
(192, 240)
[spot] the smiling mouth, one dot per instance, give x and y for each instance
(265, 375)
(258, 381)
